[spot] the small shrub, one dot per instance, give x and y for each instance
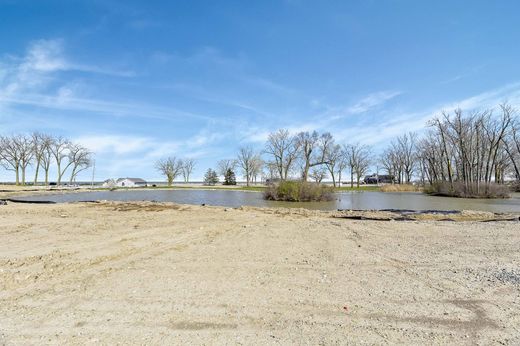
(470, 190)
(298, 191)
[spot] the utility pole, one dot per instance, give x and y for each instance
(93, 173)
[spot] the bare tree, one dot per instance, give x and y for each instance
(313, 150)
(170, 168)
(257, 166)
(16, 153)
(334, 157)
(363, 162)
(224, 165)
(46, 157)
(407, 151)
(359, 159)
(342, 164)
(187, 168)
(400, 158)
(318, 174)
(471, 150)
(10, 156)
(80, 158)
(40, 142)
(245, 159)
(25, 150)
(284, 149)
(512, 147)
(59, 149)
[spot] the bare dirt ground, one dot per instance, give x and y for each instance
(123, 273)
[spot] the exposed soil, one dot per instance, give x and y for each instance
(149, 273)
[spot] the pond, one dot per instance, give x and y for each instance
(343, 200)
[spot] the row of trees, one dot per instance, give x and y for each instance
(173, 167)
(43, 152)
(480, 147)
(306, 155)
(316, 156)
(472, 149)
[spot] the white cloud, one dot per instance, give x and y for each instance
(371, 101)
(116, 144)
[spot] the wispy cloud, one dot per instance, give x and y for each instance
(33, 80)
(380, 132)
(372, 101)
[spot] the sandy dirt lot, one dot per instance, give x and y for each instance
(113, 273)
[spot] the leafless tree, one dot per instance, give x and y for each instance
(284, 150)
(318, 173)
(46, 157)
(79, 158)
(25, 149)
(471, 149)
(359, 160)
(224, 165)
(245, 160)
(334, 161)
(400, 158)
(407, 152)
(16, 153)
(257, 166)
(170, 168)
(312, 149)
(187, 168)
(59, 148)
(342, 164)
(512, 147)
(10, 156)
(41, 143)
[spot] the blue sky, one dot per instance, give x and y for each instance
(136, 81)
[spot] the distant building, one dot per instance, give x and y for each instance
(131, 182)
(379, 179)
(110, 183)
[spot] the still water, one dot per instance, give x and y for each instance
(344, 200)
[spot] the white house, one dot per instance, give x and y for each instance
(130, 182)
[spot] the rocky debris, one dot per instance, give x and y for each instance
(508, 276)
(3, 202)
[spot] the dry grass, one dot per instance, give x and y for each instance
(401, 188)
(470, 190)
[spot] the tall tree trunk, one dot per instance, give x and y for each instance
(36, 173)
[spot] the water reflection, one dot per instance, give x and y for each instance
(344, 200)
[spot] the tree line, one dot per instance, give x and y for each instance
(43, 151)
(306, 155)
(172, 167)
(473, 149)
